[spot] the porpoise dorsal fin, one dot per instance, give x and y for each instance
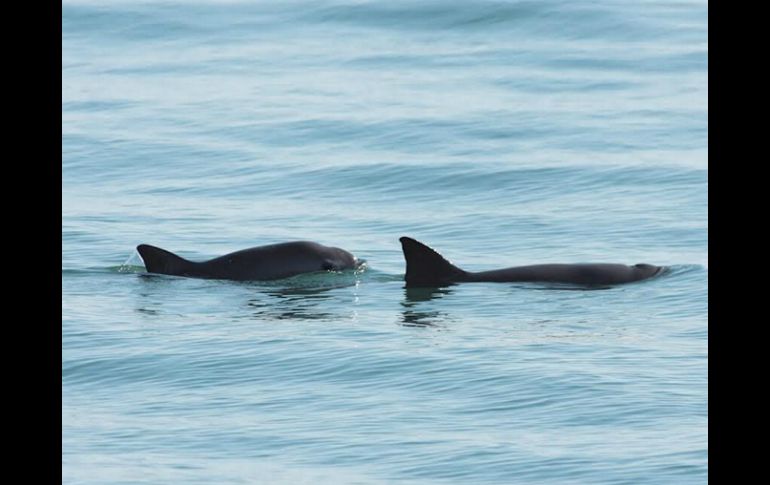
(426, 267)
(158, 260)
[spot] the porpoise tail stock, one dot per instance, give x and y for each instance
(272, 262)
(427, 268)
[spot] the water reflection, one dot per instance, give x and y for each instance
(318, 296)
(414, 315)
(294, 303)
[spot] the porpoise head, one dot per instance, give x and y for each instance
(644, 271)
(345, 259)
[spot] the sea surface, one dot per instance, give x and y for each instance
(500, 133)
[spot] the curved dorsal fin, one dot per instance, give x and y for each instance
(426, 267)
(158, 260)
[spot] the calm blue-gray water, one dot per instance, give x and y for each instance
(499, 132)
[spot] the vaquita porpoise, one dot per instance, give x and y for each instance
(272, 262)
(427, 268)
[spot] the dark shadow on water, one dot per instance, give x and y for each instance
(305, 297)
(416, 295)
(294, 304)
(412, 315)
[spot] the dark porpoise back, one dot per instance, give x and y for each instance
(272, 262)
(425, 267)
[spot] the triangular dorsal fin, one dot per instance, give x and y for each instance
(158, 260)
(426, 267)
